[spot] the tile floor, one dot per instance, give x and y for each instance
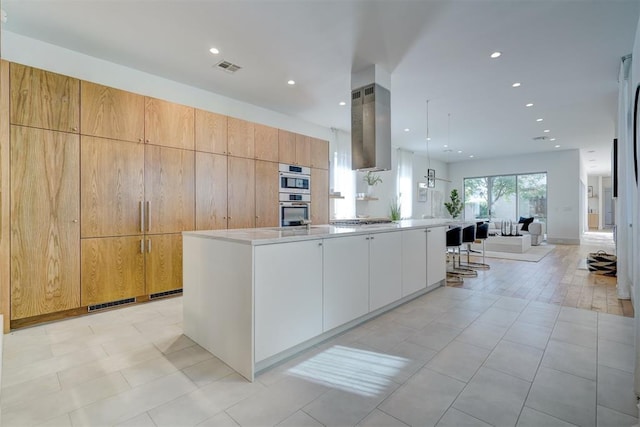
(453, 357)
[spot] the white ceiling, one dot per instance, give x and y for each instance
(566, 54)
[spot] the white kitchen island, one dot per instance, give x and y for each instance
(253, 297)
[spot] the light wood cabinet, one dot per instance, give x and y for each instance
(44, 100)
(112, 187)
(240, 138)
(112, 269)
(211, 132)
(593, 220)
(163, 263)
(319, 196)
(241, 193)
(45, 228)
(266, 143)
(286, 147)
(303, 150)
(267, 191)
(169, 189)
(211, 191)
(5, 248)
(169, 124)
(111, 113)
(319, 153)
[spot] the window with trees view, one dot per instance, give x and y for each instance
(506, 197)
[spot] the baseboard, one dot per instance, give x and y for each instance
(563, 241)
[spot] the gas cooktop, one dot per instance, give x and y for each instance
(359, 221)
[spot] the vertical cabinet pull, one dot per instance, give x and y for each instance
(141, 246)
(141, 217)
(148, 245)
(148, 215)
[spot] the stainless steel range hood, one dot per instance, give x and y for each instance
(370, 123)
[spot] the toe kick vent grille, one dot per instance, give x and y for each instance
(165, 294)
(104, 305)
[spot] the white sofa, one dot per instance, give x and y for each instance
(536, 230)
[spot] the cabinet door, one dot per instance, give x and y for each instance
(111, 113)
(319, 196)
(436, 257)
(44, 100)
(45, 228)
(211, 132)
(385, 269)
(163, 263)
(211, 191)
(266, 143)
(303, 150)
(240, 138)
(414, 261)
(169, 124)
(288, 307)
(319, 153)
(267, 190)
(286, 147)
(112, 269)
(169, 189)
(112, 187)
(241, 203)
(346, 280)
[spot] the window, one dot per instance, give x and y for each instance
(506, 197)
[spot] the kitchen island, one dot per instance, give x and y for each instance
(253, 297)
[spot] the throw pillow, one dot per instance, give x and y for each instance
(525, 223)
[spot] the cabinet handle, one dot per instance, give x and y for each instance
(74, 129)
(257, 216)
(139, 139)
(149, 245)
(148, 215)
(428, 231)
(141, 246)
(366, 238)
(320, 244)
(141, 217)
(372, 238)
(74, 221)
(228, 217)
(148, 141)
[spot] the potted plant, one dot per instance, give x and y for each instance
(454, 207)
(371, 179)
(394, 208)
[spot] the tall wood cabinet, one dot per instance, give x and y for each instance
(267, 192)
(240, 193)
(5, 249)
(319, 196)
(211, 191)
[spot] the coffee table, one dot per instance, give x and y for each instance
(513, 244)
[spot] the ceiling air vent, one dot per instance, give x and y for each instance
(228, 66)
(541, 138)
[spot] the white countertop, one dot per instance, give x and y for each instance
(270, 235)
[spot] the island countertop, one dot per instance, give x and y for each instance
(270, 235)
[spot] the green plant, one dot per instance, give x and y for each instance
(394, 208)
(371, 178)
(454, 207)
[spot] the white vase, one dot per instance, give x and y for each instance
(370, 190)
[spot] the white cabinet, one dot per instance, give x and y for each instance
(414, 260)
(346, 280)
(288, 295)
(385, 269)
(436, 257)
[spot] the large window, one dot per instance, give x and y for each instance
(506, 197)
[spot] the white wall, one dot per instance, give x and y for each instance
(434, 206)
(563, 177)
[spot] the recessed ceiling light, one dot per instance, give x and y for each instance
(406, 129)
(552, 139)
(496, 54)
(342, 103)
(546, 131)
(214, 51)
(445, 146)
(429, 138)
(459, 151)
(516, 84)
(529, 104)
(471, 155)
(557, 146)
(291, 82)
(538, 120)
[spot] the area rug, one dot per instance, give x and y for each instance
(535, 254)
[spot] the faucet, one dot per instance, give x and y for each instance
(306, 222)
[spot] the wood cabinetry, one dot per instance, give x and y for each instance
(319, 196)
(319, 153)
(112, 269)
(593, 220)
(267, 191)
(169, 189)
(266, 143)
(45, 228)
(385, 269)
(44, 100)
(163, 263)
(240, 138)
(169, 124)
(210, 132)
(303, 150)
(112, 187)
(241, 204)
(5, 249)
(280, 299)
(111, 113)
(211, 191)
(286, 147)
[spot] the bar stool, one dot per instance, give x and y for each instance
(469, 236)
(454, 240)
(482, 232)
